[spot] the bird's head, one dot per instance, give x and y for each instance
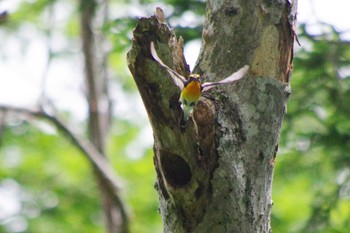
(194, 77)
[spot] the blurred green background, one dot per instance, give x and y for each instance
(46, 185)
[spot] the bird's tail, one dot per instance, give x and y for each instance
(186, 112)
(182, 121)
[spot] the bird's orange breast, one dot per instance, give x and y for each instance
(191, 92)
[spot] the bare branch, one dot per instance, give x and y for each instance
(90, 152)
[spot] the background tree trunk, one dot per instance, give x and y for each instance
(99, 115)
(216, 175)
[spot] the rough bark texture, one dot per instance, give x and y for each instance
(216, 175)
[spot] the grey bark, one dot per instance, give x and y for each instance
(216, 175)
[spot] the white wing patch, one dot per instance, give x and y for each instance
(232, 78)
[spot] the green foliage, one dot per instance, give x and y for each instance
(53, 183)
(139, 175)
(311, 181)
(30, 12)
(57, 188)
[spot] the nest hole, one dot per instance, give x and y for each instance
(176, 171)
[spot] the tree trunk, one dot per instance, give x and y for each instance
(98, 118)
(216, 174)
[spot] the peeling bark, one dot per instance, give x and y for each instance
(216, 174)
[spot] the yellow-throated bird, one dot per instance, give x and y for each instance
(191, 88)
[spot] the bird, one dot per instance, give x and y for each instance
(192, 88)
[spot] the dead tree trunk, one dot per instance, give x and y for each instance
(216, 174)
